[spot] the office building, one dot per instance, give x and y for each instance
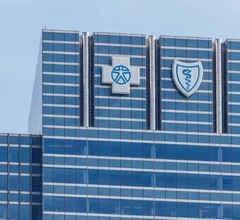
(127, 126)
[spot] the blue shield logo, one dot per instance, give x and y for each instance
(187, 76)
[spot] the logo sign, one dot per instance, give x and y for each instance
(187, 76)
(121, 75)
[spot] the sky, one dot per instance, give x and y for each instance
(21, 22)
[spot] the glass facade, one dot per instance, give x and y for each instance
(60, 79)
(20, 177)
(232, 52)
(117, 178)
(180, 113)
(142, 151)
(110, 111)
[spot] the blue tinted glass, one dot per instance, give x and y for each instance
(14, 154)
(170, 209)
(160, 151)
(25, 154)
(235, 153)
(13, 183)
(36, 155)
(181, 152)
(24, 212)
(3, 139)
(214, 153)
(24, 169)
(160, 208)
(47, 35)
(3, 182)
(171, 152)
(227, 211)
(71, 37)
(3, 168)
(24, 198)
(147, 151)
(13, 214)
(13, 139)
(13, 168)
(204, 43)
(58, 36)
(192, 153)
(3, 154)
(24, 183)
(24, 140)
(181, 42)
(193, 210)
(203, 153)
(36, 140)
(13, 197)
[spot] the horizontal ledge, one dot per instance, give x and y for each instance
(120, 34)
(61, 95)
(186, 48)
(60, 42)
(59, 116)
(60, 31)
(60, 63)
(186, 122)
(119, 55)
(120, 98)
(60, 52)
(119, 108)
(61, 105)
(175, 90)
(61, 74)
(121, 119)
(60, 84)
(120, 45)
(185, 58)
(187, 111)
(186, 37)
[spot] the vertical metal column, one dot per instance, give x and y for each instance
(85, 36)
(218, 48)
(152, 70)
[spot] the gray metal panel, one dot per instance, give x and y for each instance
(152, 69)
(85, 36)
(218, 48)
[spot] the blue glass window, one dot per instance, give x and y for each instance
(3, 154)
(25, 154)
(3, 182)
(13, 183)
(3, 139)
(24, 140)
(14, 154)
(13, 139)
(25, 183)
(13, 214)
(24, 212)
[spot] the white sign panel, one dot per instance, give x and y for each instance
(121, 75)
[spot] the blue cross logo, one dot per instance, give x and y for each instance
(121, 75)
